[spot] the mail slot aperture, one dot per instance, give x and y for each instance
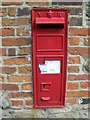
(49, 40)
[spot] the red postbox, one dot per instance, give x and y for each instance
(49, 40)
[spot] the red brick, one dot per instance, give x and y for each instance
(16, 61)
(22, 31)
(79, 77)
(15, 22)
(74, 21)
(25, 11)
(79, 50)
(78, 94)
(24, 51)
(10, 87)
(0, 60)
(22, 21)
(19, 95)
(0, 69)
(7, 32)
(11, 51)
(16, 102)
(74, 41)
(72, 86)
(11, 11)
(79, 31)
(28, 102)
(0, 31)
(40, 2)
(0, 86)
(25, 69)
(87, 41)
(3, 12)
(8, 22)
(10, 2)
(8, 70)
(67, 3)
(74, 11)
(73, 69)
(2, 51)
(71, 101)
(15, 42)
(85, 85)
(27, 86)
(15, 78)
(1, 78)
(74, 60)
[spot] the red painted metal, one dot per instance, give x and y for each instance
(50, 21)
(49, 40)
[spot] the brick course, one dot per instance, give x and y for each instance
(71, 101)
(10, 87)
(84, 85)
(87, 41)
(74, 41)
(16, 61)
(78, 94)
(15, 78)
(16, 102)
(10, 2)
(15, 41)
(38, 3)
(79, 31)
(3, 51)
(8, 70)
(15, 22)
(79, 50)
(11, 11)
(24, 51)
(11, 52)
(78, 77)
(28, 102)
(72, 86)
(74, 69)
(74, 60)
(3, 12)
(19, 95)
(26, 87)
(8, 32)
(25, 69)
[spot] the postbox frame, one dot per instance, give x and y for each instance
(34, 58)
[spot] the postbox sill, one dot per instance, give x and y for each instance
(50, 20)
(46, 106)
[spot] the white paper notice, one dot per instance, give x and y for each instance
(50, 67)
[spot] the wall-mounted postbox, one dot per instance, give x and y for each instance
(49, 40)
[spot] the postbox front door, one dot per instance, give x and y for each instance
(49, 38)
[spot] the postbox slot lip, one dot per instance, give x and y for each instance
(53, 20)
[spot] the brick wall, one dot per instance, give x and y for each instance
(16, 61)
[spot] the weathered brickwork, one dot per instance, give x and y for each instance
(16, 78)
